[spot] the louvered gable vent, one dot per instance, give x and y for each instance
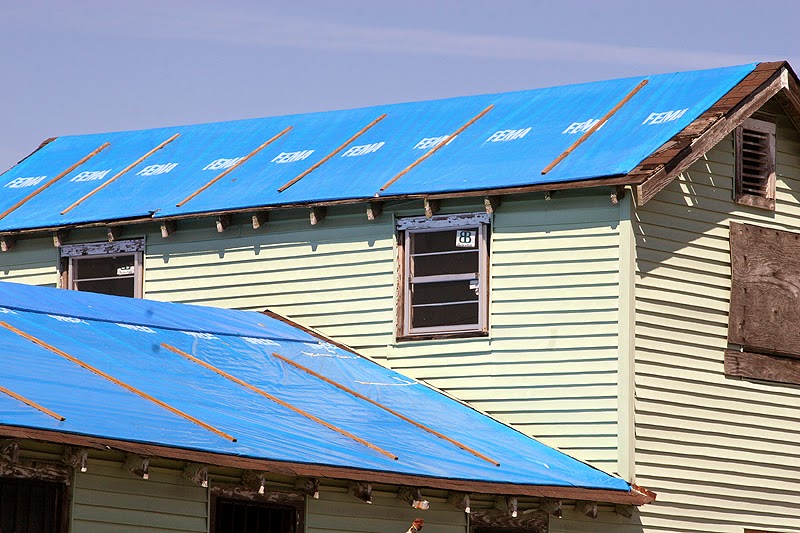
(755, 163)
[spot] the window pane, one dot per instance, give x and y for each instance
(103, 267)
(114, 287)
(444, 292)
(437, 241)
(449, 263)
(445, 315)
(238, 517)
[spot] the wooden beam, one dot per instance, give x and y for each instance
(374, 210)
(60, 237)
(223, 223)
(76, 458)
(531, 520)
(617, 193)
(707, 140)
(551, 506)
(507, 505)
(431, 207)
(137, 465)
(7, 242)
(361, 490)
(308, 485)
(762, 367)
(459, 500)
(168, 227)
(413, 497)
(491, 203)
(624, 510)
(260, 218)
(548, 195)
(9, 450)
(587, 508)
(113, 233)
(197, 474)
(317, 214)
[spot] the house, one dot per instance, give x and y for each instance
(607, 266)
(163, 409)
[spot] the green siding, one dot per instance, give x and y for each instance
(31, 261)
(721, 453)
(340, 511)
(110, 499)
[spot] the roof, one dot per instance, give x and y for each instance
(250, 390)
(497, 142)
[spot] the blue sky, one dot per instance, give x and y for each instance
(95, 66)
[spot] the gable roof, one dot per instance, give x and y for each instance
(249, 390)
(505, 142)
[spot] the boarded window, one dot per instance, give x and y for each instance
(113, 268)
(444, 275)
(765, 304)
(237, 516)
(755, 163)
(31, 506)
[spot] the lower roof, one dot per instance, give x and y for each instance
(244, 388)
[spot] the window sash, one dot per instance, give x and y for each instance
(138, 275)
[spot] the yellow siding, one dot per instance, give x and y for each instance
(110, 499)
(30, 261)
(720, 453)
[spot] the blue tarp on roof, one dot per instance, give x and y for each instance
(509, 146)
(127, 339)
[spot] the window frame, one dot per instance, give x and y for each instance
(409, 226)
(769, 128)
(72, 254)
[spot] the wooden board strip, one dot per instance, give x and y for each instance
(330, 155)
(33, 404)
(594, 128)
(387, 409)
(278, 400)
(116, 381)
(55, 179)
(119, 174)
(235, 166)
(436, 148)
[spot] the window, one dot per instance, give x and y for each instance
(108, 267)
(238, 516)
(32, 506)
(444, 278)
(755, 163)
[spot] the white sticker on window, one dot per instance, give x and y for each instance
(125, 271)
(466, 238)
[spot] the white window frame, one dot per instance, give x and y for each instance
(71, 254)
(414, 225)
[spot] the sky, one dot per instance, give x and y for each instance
(96, 66)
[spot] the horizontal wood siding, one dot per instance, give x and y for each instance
(108, 499)
(720, 452)
(549, 366)
(336, 510)
(31, 261)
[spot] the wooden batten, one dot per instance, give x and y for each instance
(7, 242)
(168, 227)
(223, 222)
(60, 237)
(317, 214)
(260, 218)
(374, 210)
(432, 207)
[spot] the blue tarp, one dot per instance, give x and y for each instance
(507, 147)
(125, 338)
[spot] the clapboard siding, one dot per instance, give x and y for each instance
(336, 510)
(30, 261)
(110, 499)
(721, 453)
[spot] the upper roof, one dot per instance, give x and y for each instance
(250, 387)
(475, 143)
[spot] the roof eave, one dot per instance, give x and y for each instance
(767, 80)
(636, 496)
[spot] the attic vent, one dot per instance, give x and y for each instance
(755, 163)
